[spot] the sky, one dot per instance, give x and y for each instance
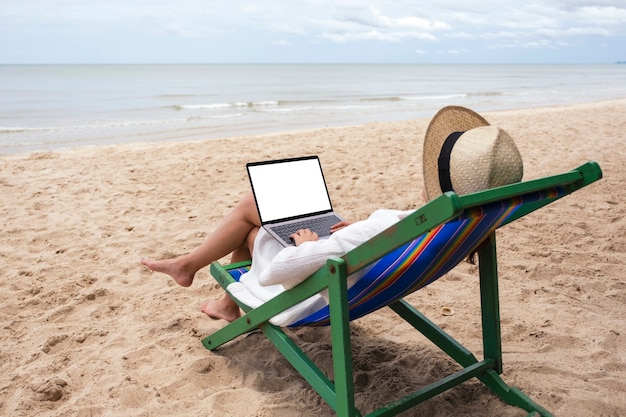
(312, 31)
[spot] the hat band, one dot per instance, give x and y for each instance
(444, 161)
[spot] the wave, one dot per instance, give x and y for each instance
(330, 103)
(344, 103)
(488, 94)
(390, 98)
(435, 97)
(249, 104)
(7, 130)
(13, 129)
(197, 113)
(112, 124)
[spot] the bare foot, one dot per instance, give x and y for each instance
(223, 308)
(175, 268)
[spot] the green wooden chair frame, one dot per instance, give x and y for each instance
(339, 392)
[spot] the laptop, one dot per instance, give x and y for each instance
(290, 195)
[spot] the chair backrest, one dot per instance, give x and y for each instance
(430, 242)
(428, 257)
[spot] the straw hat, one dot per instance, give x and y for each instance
(464, 154)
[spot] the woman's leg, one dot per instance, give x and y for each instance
(233, 235)
(224, 307)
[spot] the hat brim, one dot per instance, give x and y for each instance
(447, 120)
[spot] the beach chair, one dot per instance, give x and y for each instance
(406, 257)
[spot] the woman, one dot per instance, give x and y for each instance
(462, 153)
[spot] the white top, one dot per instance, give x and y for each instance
(276, 268)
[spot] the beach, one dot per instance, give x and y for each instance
(87, 331)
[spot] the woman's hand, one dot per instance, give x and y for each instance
(339, 226)
(304, 235)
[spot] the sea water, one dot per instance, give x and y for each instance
(46, 107)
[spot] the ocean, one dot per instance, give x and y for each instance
(51, 107)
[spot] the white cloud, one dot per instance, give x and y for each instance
(373, 17)
(375, 35)
(604, 15)
(454, 26)
(574, 31)
(454, 52)
(372, 25)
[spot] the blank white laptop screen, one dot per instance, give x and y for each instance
(287, 189)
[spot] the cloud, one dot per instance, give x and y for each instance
(604, 15)
(373, 17)
(328, 28)
(454, 52)
(528, 44)
(574, 32)
(375, 35)
(371, 25)
(538, 26)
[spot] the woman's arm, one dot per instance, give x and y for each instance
(305, 235)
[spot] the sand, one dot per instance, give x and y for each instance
(87, 331)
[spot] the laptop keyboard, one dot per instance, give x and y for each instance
(319, 225)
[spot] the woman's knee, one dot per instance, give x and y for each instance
(248, 207)
(251, 238)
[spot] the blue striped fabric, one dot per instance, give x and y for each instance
(423, 260)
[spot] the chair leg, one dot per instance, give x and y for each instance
(492, 344)
(489, 300)
(492, 337)
(512, 395)
(340, 393)
(301, 362)
(340, 333)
